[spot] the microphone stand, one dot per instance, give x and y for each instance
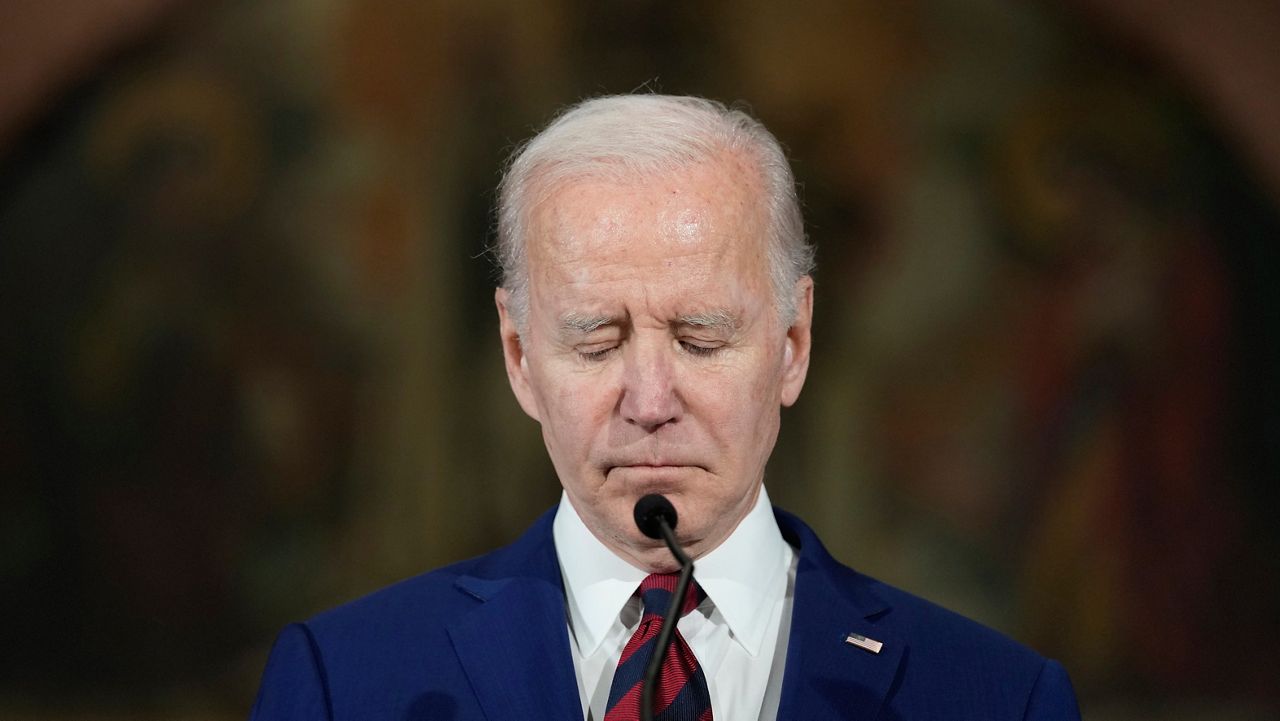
(669, 624)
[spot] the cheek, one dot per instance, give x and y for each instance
(746, 409)
(741, 411)
(572, 409)
(755, 379)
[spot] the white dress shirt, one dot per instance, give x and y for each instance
(739, 633)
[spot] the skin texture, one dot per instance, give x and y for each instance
(654, 358)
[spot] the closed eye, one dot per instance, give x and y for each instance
(698, 349)
(596, 355)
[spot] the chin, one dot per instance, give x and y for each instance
(651, 555)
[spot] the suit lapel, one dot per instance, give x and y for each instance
(514, 646)
(827, 677)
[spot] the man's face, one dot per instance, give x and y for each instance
(654, 357)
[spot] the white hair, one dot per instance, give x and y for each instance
(619, 137)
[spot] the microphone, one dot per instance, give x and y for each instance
(650, 511)
(656, 518)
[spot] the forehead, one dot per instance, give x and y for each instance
(713, 209)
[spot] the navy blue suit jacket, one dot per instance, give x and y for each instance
(487, 639)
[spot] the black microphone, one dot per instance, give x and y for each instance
(656, 518)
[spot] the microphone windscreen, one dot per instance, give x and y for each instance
(649, 510)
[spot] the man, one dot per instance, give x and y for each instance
(655, 315)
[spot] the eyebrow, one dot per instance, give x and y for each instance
(721, 320)
(579, 323)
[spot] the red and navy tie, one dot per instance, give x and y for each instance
(681, 693)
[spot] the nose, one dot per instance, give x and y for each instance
(649, 395)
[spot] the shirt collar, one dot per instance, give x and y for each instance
(597, 583)
(746, 575)
(743, 577)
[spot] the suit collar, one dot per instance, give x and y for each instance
(514, 646)
(825, 676)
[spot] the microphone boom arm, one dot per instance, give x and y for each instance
(669, 624)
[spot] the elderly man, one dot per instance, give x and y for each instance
(655, 316)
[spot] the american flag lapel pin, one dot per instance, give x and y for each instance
(864, 643)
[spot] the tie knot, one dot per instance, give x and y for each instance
(656, 589)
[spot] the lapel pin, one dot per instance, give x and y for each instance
(864, 643)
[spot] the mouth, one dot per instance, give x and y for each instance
(652, 465)
(653, 477)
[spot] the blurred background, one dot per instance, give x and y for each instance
(249, 365)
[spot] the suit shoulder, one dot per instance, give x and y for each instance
(924, 624)
(981, 672)
(432, 593)
(429, 599)
(376, 656)
(928, 624)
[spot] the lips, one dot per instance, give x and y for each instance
(653, 465)
(653, 479)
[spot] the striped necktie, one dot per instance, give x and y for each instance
(681, 693)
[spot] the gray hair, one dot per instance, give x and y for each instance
(625, 136)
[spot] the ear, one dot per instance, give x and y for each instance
(795, 357)
(513, 354)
